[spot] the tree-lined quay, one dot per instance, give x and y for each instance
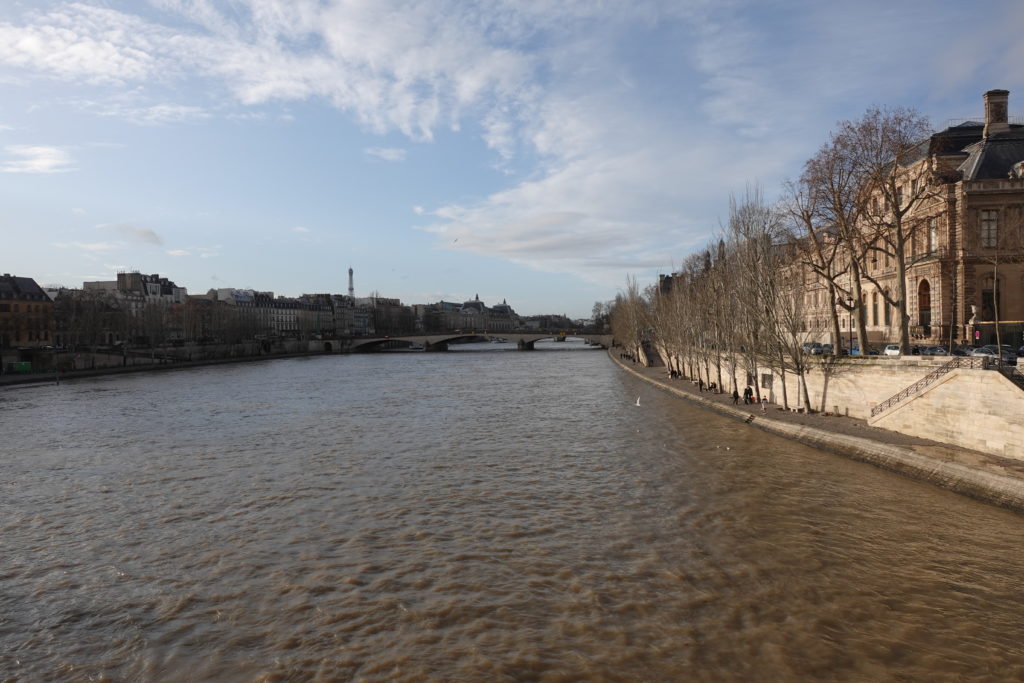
(890, 235)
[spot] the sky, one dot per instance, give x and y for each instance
(534, 151)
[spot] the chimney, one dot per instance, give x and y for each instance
(996, 119)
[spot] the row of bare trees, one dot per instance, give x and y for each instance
(872, 193)
(730, 312)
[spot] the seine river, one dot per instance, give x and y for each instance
(479, 515)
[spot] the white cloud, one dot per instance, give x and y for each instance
(133, 233)
(300, 229)
(632, 119)
(386, 153)
(178, 252)
(89, 246)
(155, 115)
(78, 211)
(37, 159)
(79, 41)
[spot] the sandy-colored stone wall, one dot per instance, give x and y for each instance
(970, 408)
(976, 409)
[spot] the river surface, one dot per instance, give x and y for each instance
(479, 515)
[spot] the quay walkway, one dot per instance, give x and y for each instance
(989, 478)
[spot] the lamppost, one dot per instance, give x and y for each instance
(849, 309)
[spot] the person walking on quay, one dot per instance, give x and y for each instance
(735, 397)
(764, 404)
(700, 385)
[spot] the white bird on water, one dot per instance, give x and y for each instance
(638, 401)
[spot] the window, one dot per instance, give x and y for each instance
(989, 229)
(874, 308)
(933, 235)
(888, 312)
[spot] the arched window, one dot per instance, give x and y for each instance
(924, 306)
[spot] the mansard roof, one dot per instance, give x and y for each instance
(994, 156)
(21, 289)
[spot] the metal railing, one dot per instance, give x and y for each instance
(1012, 374)
(916, 387)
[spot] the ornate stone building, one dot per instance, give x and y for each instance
(965, 257)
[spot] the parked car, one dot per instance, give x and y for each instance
(1007, 356)
(891, 350)
(934, 351)
(826, 349)
(855, 351)
(962, 350)
(808, 347)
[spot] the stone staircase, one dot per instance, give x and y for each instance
(919, 386)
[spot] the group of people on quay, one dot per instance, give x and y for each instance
(748, 391)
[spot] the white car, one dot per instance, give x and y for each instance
(891, 350)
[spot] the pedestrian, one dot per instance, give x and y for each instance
(700, 384)
(764, 404)
(735, 397)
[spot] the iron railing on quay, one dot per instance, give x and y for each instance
(916, 387)
(1013, 374)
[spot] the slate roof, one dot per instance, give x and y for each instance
(995, 156)
(13, 288)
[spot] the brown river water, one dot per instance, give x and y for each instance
(480, 515)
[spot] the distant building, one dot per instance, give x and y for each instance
(26, 313)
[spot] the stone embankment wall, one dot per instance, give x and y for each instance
(971, 408)
(976, 409)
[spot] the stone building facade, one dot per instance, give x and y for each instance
(965, 259)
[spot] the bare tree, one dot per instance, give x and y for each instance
(887, 149)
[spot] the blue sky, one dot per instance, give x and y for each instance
(534, 151)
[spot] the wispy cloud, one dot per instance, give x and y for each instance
(37, 159)
(631, 119)
(153, 115)
(133, 232)
(88, 246)
(386, 153)
(80, 41)
(178, 252)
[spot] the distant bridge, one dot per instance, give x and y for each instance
(440, 341)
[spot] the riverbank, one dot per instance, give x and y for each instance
(988, 478)
(157, 366)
